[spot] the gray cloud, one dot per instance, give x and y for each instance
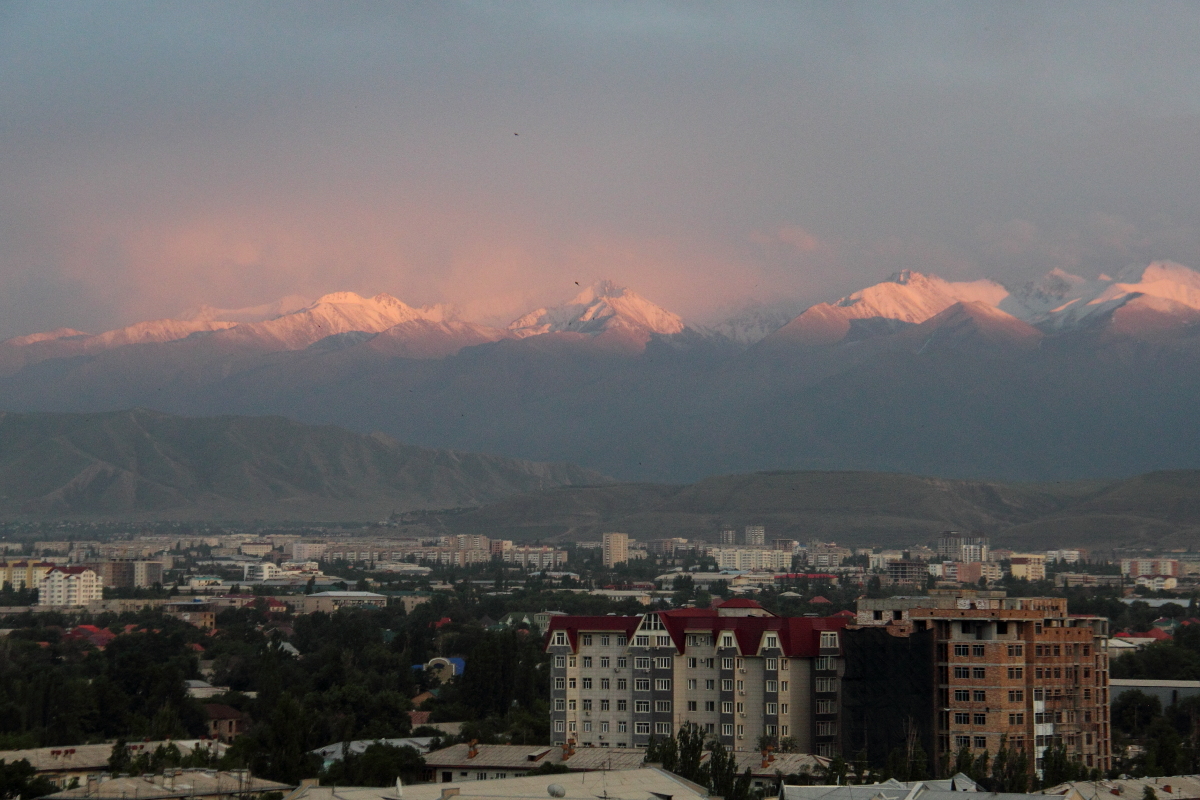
(157, 156)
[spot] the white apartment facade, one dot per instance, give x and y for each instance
(69, 586)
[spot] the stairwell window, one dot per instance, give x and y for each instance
(662, 684)
(560, 662)
(772, 642)
(829, 639)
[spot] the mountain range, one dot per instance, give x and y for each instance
(1062, 378)
(140, 463)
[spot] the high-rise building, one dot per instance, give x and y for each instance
(991, 667)
(756, 535)
(952, 546)
(737, 671)
(616, 548)
(69, 586)
(728, 536)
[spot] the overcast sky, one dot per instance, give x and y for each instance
(156, 156)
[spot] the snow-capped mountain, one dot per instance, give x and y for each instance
(602, 307)
(754, 321)
(267, 311)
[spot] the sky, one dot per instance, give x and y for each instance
(157, 156)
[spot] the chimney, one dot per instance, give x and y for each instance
(764, 758)
(448, 793)
(472, 750)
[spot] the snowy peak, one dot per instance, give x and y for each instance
(912, 297)
(600, 308)
(285, 305)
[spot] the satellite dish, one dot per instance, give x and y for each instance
(556, 790)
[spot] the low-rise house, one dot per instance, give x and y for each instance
(1175, 787)
(199, 613)
(61, 764)
(467, 762)
(174, 784)
(329, 602)
(331, 753)
(225, 723)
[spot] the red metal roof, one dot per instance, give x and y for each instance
(739, 602)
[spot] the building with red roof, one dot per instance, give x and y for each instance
(69, 586)
(736, 670)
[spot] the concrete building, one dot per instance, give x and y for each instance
(175, 784)
(755, 535)
(910, 572)
(1022, 668)
(63, 764)
(750, 558)
(69, 586)
(1073, 579)
(736, 670)
(971, 572)
(615, 549)
(1030, 566)
(531, 556)
(330, 602)
(1168, 692)
(128, 573)
(19, 575)
(1136, 567)
(952, 546)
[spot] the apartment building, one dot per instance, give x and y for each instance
(531, 556)
(1029, 566)
(128, 573)
(69, 586)
(1019, 668)
(615, 549)
(23, 574)
(952, 546)
(1136, 567)
(755, 535)
(737, 671)
(750, 558)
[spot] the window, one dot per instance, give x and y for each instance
(784, 665)
(962, 718)
(560, 637)
(641, 727)
(641, 663)
(981, 741)
(691, 684)
(560, 704)
(977, 650)
(622, 684)
(710, 684)
(783, 730)
(622, 641)
(962, 741)
(691, 705)
(1016, 695)
(771, 664)
(664, 641)
(829, 639)
(570, 683)
(741, 686)
(622, 662)
(587, 705)
(662, 705)
(641, 706)
(571, 705)
(622, 705)
(662, 663)
(1057, 650)
(622, 726)
(571, 726)
(726, 663)
(560, 662)
(783, 686)
(652, 622)
(978, 673)
(587, 662)
(604, 726)
(962, 650)
(727, 707)
(825, 685)
(727, 685)
(587, 726)
(641, 685)
(710, 705)
(826, 706)
(979, 696)
(727, 640)
(741, 708)
(823, 663)
(662, 685)
(1016, 672)
(585, 640)
(962, 672)
(641, 641)
(605, 683)
(741, 729)
(737, 662)
(826, 729)
(772, 641)
(587, 683)
(772, 686)
(962, 695)
(604, 642)
(1016, 650)
(1039, 694)
(727, 729)
(772, 709)
(1017, 718)
(604, 705)
(560, 683)
(662, 728)
(605, 662)
(691, 662)
(980, 719)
